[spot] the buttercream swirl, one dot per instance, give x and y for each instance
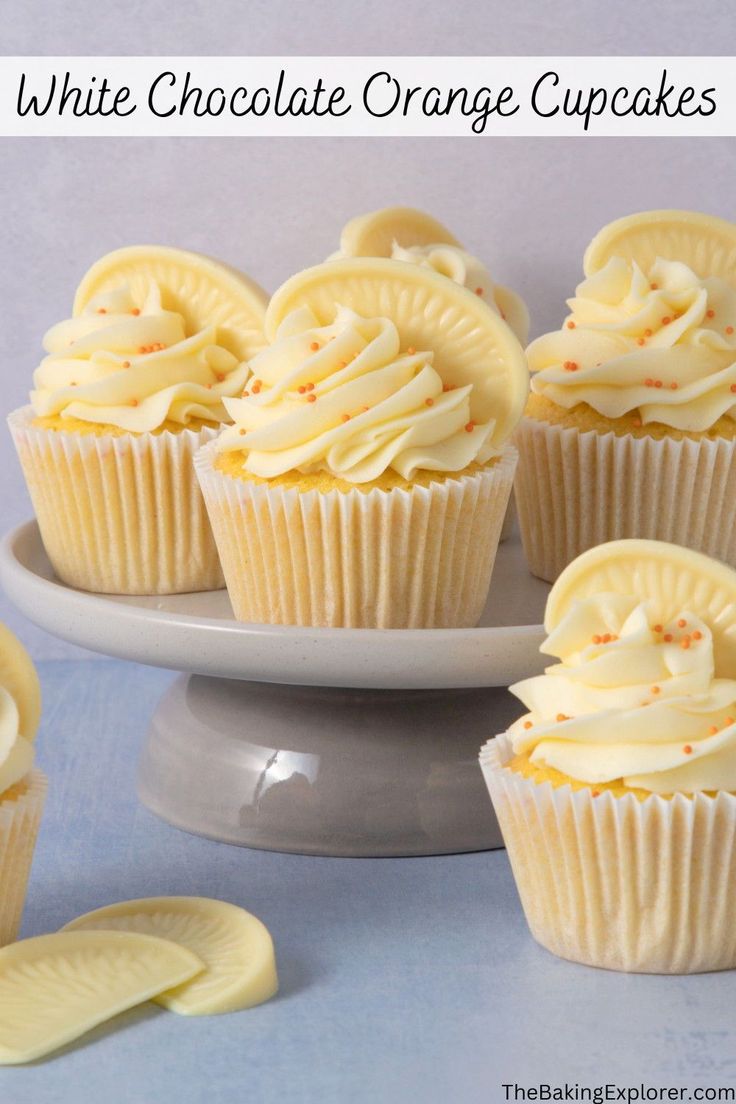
(662, 343)
(345, 399)
(16, 752)
(134, 367)
(631, 699)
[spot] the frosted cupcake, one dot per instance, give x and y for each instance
(366, 475)
(616, 791)
(131, 386)
(630, 430)
(22, 786)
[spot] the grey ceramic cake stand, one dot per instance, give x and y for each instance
(320, 741)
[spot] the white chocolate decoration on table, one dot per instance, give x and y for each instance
(346, 399)
(235, 947)
(129, 364)
(660, 342)
(54, 988)
(20, 710)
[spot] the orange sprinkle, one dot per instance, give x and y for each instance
(655, 690)
(257, 383)
(343, 364)
(345, 417)
(208, 386)
(302, 390)
(595, 793)
(219, 376)
(654, 287)
(733, 388)
(668, 638)
(527, 724)
(697, 635)
(597, 639)
(674, 386)
(470, 426)
(685, 642)
(448, 387)
(607, 638)
(710, 313)
(614, 636)
(126, 364)
(101, 310)
(640, 341)
(309, 386)
(688, 749)
(479, 291)
(647, 333)
(636, 422)
(570, 366)
(429, 402)
(311, 398)
(135, 311)
(649, 383)
(657, 628)
(314, 346)
(571, 325)
(713, 730)
(562, 717)
(411, 350)
(666, 320)
(242, 432)
(682, 623)
(729, 720)
(256, 388)
(657, 383)
(133, 402)
(729, 329)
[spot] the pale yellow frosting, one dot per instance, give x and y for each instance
(132, 366)
(631, 699)
(347, 400)
(662, 342)
(16, 752)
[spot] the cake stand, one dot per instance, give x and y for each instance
(317, 741)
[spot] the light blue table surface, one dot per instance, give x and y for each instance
(401, 979)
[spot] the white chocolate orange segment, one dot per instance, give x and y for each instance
(235, 947)
(55, 988)
(18, 676)
(470, 344)
(513, 310)
(671, 577)
(204, 291)
(703, 242)
(374, 234)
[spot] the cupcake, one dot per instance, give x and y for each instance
(616, 791)
(131, 386)
(630, 428)
(22, 786)
(406, 234)
(366, 475)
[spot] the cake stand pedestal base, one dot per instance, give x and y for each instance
(324, 771)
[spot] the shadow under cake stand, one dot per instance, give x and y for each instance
(316, 741)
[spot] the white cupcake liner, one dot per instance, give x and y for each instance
(120, 515)
(381, 559)
(644, 886)
(20, 819)
(575, 490)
